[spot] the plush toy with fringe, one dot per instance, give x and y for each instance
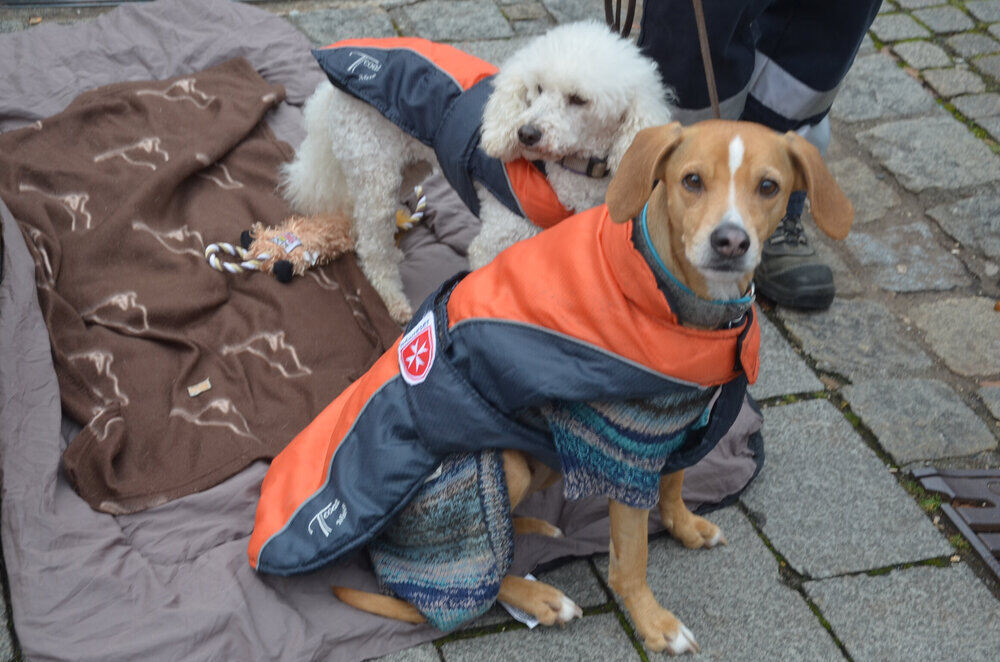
(298, 244)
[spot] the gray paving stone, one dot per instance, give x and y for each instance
(949, 82)
(990, 396)
(525, 11)
(871, 196)
(567, 11)
(826, 501)
(934, 152)
(975, 222)
(924, 613)
(732, 598)
(845, 278)
(532, 27)
(965, 332)
(424, 653)
(918, 419)
(995, 30)
(887, 7)
(867, 46)
(914, 4)
(973, 43)
(856, 338)
(782, 371)
(7, 649)
(598, 637)
(893, 27)
(876, 88)
(987, 11)
(991, 124)
(494, 51)
(988, 64)
(978, 105)
(325, 26)
(907, 258)
(445, 20)
(955, 80)
(944, 19)
(922, 54)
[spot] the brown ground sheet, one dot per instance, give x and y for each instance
(117, 197)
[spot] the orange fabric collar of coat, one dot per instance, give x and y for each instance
(538, 200)
(584, 278)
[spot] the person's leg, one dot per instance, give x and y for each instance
(670, 37)
(804, 51)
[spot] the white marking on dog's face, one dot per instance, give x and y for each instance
(732, 214)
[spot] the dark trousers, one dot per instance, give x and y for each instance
(777, 62)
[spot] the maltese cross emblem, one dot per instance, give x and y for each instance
(417, 350)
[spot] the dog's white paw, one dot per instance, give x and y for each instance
(683, 643)
(568, 610)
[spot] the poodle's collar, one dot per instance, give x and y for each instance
(593, 167)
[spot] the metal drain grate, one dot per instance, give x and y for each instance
(972, 504)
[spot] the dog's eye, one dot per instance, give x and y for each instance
(692, 182)
(768, 188)
(538, 90)
(576, 100)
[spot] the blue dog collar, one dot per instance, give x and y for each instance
(745, 300)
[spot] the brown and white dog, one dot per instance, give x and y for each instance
(715, 192)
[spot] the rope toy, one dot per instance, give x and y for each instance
(252, 264)
(405, 219)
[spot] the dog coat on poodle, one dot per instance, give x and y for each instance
(555, 113)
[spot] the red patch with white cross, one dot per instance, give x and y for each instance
(417, 350)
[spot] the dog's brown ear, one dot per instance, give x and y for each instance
(832, 210)
(641, 166)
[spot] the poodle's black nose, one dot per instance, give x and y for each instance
(529, 134)
(729, 240)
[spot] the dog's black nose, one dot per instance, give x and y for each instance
(730, 240)
(529, 134)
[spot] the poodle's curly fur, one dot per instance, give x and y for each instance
(586, 89)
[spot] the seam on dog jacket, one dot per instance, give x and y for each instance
(436, 94)
(572, 314)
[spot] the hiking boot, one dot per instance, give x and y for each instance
(790, 273)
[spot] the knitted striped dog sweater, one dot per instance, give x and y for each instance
(617, 449)
(448, 549)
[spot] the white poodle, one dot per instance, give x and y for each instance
(575, 95)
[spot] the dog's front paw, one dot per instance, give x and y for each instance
(694, 532)
(662, 631)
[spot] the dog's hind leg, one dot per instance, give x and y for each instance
(690, 529)
(526, 525)
(382, 605)
(546, 603)
(373, 153)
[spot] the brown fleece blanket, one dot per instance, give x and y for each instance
(117, 197)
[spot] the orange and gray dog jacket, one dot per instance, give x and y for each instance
(572, 315)
(436, 93)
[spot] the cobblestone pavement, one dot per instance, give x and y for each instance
(834, 552)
